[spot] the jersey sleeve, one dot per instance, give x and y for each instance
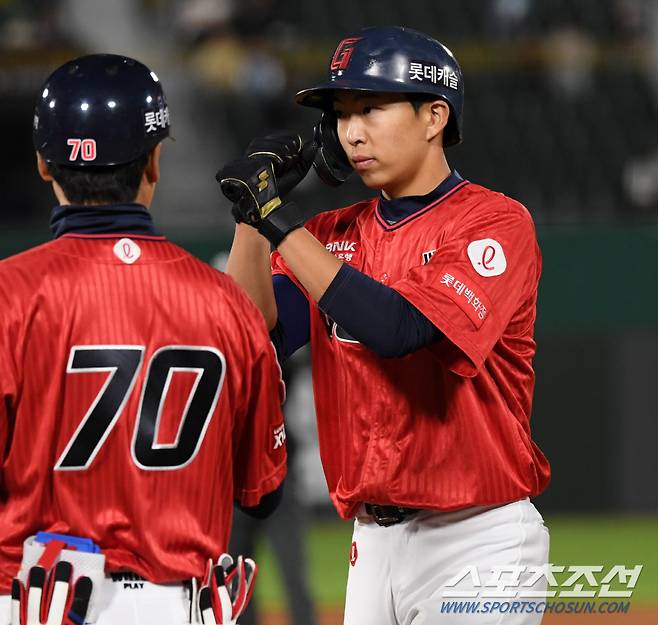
(259, 440)
(473, 284)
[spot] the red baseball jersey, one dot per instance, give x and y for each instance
(139, 396)
(447, 426)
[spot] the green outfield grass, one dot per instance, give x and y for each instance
(584, 540)
(610, 540)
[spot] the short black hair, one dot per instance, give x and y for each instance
(115, 184)
(418, 99)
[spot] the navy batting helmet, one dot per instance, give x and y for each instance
(100, 110)
(394, 59)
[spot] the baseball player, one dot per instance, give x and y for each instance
(419, 304)
(139, 390)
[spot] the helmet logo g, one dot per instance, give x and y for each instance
(343, 54)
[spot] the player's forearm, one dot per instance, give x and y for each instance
(311, 263)
(249, 265)
(374, 314)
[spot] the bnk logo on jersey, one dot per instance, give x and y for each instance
(343, 250)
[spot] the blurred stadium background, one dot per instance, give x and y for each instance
(561, 113)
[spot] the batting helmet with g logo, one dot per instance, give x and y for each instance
(100, 110)
(394, 59)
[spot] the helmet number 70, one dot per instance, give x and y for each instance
(85, 148)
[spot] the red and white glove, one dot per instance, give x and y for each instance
(50, 598)
(225, 591)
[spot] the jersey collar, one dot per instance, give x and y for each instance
(392, 213)
(105, 219)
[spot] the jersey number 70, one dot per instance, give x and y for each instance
(124, 363)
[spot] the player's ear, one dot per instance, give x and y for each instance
(152, 169)
(42, 168)
(438, 113)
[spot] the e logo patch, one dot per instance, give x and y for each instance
(127, 251)
(487, 257)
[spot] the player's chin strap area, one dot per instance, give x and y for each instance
(224, 592)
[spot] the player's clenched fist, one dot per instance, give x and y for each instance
(251, 184)
(50, 597)
(225, 591)
(290, 157)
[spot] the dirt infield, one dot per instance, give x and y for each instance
(637, 616)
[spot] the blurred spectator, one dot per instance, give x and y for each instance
(631, 18)
(641, 183)
(198, 18)
(570, 55)
(509, 16)
(237, 58)
(29, 23)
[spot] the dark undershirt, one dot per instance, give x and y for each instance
(368, 311)
(129, 218)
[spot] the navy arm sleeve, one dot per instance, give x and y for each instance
(293, 326)
(376, 315)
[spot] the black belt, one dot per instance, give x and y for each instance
(388, 515)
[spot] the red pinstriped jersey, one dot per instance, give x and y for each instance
(447, 426)
(139, 396)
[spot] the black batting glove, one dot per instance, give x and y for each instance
(291, 158)
(250, 183)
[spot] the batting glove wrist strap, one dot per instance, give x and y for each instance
(281, 223)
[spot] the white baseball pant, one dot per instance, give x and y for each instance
(398, 574)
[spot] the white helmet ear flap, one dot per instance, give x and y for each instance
(331, 163)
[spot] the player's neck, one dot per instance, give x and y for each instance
(427, 176)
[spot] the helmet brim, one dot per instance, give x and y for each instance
(320, 95)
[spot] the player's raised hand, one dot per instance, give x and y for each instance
(291, 157)
(251, 184)
(50, 597)
(225, 591)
